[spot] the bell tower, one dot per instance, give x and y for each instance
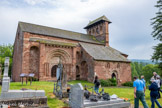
(99, 29)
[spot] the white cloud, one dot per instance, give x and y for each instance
(130, 19)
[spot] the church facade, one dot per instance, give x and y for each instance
(38, 49)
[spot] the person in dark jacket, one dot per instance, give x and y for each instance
(154, 93)
(97, 84)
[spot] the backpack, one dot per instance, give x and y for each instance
(98, 83)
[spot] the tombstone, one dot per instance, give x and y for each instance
(60, 88)
(6, 79)
(77, 100)
(16, 97)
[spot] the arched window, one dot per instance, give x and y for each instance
(108, 65)
(84, 69)
(113, 75)
(100, 28)
(77, 73)
(118, 65)
(34, 61)
(97, 31)
(93, 31)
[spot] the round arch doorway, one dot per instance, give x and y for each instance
(53, 71)
(113, 76)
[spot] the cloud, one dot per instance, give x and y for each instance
(130, 27)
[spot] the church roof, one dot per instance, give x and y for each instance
(102, 18)
(100, 52)
(54, 32)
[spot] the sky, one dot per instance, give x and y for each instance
(129, 32)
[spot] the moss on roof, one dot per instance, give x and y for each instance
(102, 18)
(52, 42)
(54, 32)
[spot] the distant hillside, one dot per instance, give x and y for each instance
(143, 61)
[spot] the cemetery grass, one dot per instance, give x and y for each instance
(53, 102)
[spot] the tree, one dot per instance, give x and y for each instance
(6, 51)
(148, 70)
(134, 72)
(157, 34)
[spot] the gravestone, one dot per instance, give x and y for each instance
(6, 79)
(77, 100)
(16, 97)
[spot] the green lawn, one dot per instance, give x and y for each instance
(53, 102)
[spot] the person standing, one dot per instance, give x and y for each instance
(142, 78)
(157, 80)
(154, 93)
(158, 84)
(155, 75)
(139, 93)
(97, 84)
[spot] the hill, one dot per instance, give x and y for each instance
(142, 61)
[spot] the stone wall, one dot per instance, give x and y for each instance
(40, 58)
(106, 70)
(17, 56)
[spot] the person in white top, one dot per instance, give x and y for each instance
(157, 80)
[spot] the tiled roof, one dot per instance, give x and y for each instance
(54, 32)
(52, 42)
(102, 18)
(100, 52)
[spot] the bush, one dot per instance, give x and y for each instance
(129, 84)
(108, 82)
(104, 83)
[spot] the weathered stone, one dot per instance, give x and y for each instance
(7, 94)
(40, 102)
(76, 99)
(6, 79)
(37, 50)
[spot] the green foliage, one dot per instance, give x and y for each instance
(157, 22)
(54, 102)
(134, 71)
(157, 55)
(82, 82)
(129, 84)
(157, 34)
(6, 51)
(105, 83)
(108, 82)
(148, 70)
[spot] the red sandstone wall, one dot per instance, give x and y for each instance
(105, 69)
(17, 56)
(44, 52)
(21, 61)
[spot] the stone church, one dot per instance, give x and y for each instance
(38, 49)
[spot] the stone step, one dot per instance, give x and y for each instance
(113, 105)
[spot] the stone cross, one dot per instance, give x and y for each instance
(6, 79)
(6, 65)
(76, 98)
